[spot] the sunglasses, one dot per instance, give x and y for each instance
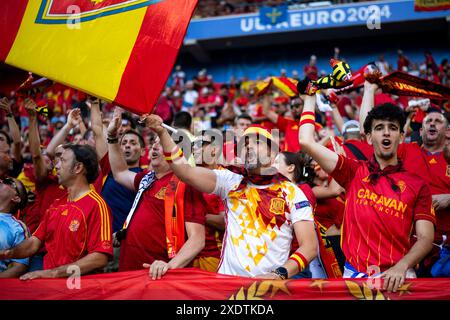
(10, 182)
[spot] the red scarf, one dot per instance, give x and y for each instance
(174, 216)
(376, 172)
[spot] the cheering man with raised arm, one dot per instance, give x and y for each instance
(384, 202)
(264, 208)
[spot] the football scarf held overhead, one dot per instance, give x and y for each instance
(117, 50)
(400, 83)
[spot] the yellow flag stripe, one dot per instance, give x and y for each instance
(93, 56)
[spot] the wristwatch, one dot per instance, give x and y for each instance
(281, 272)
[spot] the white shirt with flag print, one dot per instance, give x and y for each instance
(259, 223)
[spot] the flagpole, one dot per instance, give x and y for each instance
(165, 126)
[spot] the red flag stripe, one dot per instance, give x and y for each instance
(10, 20)
(156, 63)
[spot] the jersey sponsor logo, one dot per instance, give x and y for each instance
(277, 205)
(301, 204)
(74, 225)
(381, 203)
(161, 193)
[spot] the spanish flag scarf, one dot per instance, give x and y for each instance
(174, 215)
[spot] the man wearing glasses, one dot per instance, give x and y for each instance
(76, 229)
(287, 125)
(13, 197)
(264, 211)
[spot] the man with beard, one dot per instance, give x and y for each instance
(264, 209)
(287, 125)
(165, 212)
(383, 201)
(76, 229)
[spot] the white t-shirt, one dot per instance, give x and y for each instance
(259, 223)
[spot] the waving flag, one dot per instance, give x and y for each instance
(118, 50)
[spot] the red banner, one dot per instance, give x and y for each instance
(193, 284)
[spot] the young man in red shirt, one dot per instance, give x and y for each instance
(383, 203)
(76, 229)
(428, 161)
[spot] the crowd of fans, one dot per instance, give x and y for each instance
(95, 158)
(216, 8)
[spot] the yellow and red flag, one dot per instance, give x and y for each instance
(286, 85)
(118, 50)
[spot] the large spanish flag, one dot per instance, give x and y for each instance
(118, 50)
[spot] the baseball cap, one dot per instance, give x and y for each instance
(351, 126)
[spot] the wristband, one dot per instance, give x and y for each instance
(172, 156)
(10, 115)
(112, 140)
(301, 261)
(307, 117)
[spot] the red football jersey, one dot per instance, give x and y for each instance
(290, 128)
(438, 178)
(46, 192)
(213, 237)
(71, 230)
(378, 221)
(145, 240)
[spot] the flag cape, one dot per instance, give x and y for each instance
(194, 284)
(401, 83)
(431, 5)
(118, 50)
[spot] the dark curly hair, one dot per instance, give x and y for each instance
(303, 172)
(386, 111)
(88, 157)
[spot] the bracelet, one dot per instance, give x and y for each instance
(112, 140)
(178, 153)
(301, 261)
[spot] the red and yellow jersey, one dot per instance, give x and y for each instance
(74, 229)
(439, 182)
(378, 221)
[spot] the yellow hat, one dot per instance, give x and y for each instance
(258, 130)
